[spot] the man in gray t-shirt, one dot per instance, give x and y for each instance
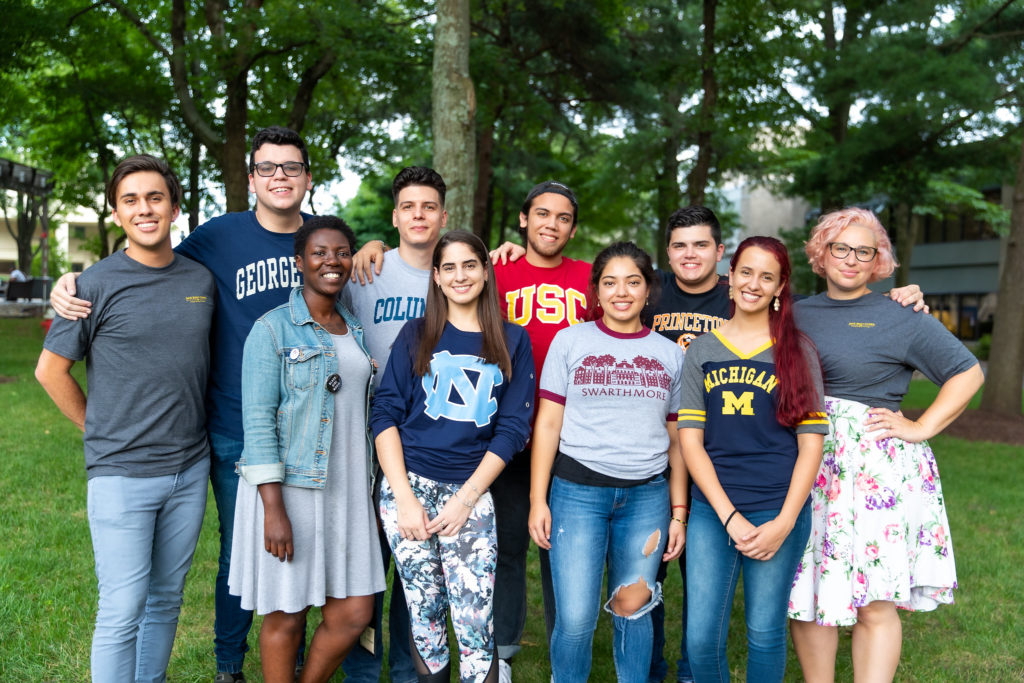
(147, 356)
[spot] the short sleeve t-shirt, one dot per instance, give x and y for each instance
(385, 305)
(682, 317)
(543, 300)
(146, 349)
(254, 271)
(870, 347)
(730, 396)
(618, 390)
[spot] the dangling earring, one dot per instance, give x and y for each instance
(775, 303)
(730, 292)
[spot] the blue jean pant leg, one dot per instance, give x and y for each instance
(511, 492)
(231, 623)
(766, 601)
(590, 525)
(144, 532)
(360, 666)
(713, 571)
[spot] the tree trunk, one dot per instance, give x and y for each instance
(454, 111)
(234, 164)
(1003, 386)
(193, 183)
(908, 226)
(485, 173)
(697, 181)
(668, 194)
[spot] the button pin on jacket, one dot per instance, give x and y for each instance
(294, 354)
(333, 382)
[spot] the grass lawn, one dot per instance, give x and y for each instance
(47, 585)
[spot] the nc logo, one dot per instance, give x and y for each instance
(451, 392)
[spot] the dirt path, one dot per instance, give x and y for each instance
(978, 425)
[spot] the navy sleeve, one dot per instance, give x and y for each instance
(512, 427)
(195, 244)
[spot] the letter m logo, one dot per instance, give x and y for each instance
(730, 404)
(459, 388)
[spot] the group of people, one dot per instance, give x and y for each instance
(441, 406)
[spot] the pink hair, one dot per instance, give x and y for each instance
(832, 224)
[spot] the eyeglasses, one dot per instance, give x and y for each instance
(841, 251)
(268, 168)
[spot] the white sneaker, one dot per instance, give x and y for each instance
(504, 671)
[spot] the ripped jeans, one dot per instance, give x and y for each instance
(591, 525)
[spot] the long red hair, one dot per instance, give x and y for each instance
(795, 395)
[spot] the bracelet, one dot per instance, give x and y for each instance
(676, 519)
(729, 518)
(475, 489)
(464, 503)
(681, 506)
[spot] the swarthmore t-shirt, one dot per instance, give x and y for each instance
(146, 348)
(619, 391)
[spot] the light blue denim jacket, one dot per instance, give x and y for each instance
(287, 412)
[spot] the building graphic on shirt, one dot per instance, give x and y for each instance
(606, 369)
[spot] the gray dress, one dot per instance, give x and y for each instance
(334, 530)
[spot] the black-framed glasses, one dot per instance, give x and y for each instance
(269, 168)
(863, 254)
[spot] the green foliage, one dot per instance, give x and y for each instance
(983, 347)
(803, 279)
(943, 195)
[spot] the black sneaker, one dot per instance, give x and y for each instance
(228, 677)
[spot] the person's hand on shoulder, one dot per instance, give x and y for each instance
(63, 300)
(368, 261)
(508, 252)
(911, 295)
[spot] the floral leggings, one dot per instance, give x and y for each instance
(449, 572)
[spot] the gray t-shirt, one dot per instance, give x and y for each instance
(383, 306)
(869, 347)
(147, 354)
(619, 390)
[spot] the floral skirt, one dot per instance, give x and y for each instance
(879, 526)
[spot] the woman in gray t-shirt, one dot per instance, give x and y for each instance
(880, 537)
(608, 398)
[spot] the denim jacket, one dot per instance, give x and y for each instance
(287, 412)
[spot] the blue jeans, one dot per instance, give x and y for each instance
(713, 567)
(362, 667)
(144, 533)
(231, 623)
(592, 525)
